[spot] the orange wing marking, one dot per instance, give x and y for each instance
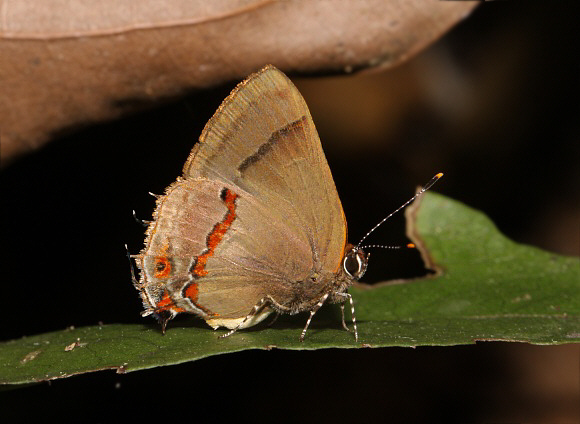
(166, 303)
(162, 264)
(217, 233)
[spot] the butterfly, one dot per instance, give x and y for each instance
(254, 225)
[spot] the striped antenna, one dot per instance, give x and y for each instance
(410, 245)
(383, 246)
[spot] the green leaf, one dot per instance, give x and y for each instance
(486, 288)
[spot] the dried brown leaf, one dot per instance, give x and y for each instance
(64, 63)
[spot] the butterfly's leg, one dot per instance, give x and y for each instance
(262, 303)
(349, 297)
(276, 315)
(342, 313)
(312, 312)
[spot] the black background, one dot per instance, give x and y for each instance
(512, 151)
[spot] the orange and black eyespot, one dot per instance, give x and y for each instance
(162, 267)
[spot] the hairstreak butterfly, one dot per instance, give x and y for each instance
(254, 225)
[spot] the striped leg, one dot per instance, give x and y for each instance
(257, 308)
(349, 297)
(342, 313)
(276, 315)
(312, 312)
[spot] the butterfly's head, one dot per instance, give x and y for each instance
(355, 262)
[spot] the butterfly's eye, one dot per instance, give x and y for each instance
(355, 263)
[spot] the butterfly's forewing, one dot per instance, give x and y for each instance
(263, 140)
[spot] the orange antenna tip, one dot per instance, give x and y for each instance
(411, 246)
(439, 175)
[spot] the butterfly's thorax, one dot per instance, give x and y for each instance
(300, 296)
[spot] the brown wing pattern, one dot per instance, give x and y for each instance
(263, 140)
